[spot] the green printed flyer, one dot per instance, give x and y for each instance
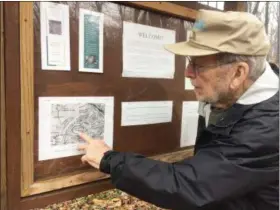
(91, 41)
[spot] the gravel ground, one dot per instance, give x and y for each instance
(111, 199)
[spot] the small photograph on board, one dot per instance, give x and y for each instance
(61, 119)
(91, 41)
(90, 60)
(55, 27)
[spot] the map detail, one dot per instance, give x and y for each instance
(67, 120)
(61, 119)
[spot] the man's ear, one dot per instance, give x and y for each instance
(240, 75)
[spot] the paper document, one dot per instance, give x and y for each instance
(55, 36)
(91, 41)
(62, 118)
(55, 50)
(148, 112)
(189, 123)
(143, 52)
(188, 84)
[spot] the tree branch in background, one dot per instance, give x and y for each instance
(256, 8)
(278, 40)
(266, 20)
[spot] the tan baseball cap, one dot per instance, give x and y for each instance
(232, 32)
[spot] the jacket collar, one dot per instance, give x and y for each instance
(266, 86)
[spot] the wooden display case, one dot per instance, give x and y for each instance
(27, 183)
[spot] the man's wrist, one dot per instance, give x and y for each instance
(105, 166)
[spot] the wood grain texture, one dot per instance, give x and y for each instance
(61, 195)
(235, 6)
(13, 112)
(27, 94)
(65, 181)
(167, 8)
(3, 199)
(195, 5)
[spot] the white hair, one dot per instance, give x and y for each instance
(256, 63)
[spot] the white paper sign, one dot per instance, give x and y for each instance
(62, 118)
(188, 84)
(55, 50)
(148, 112)
(189, 123)
(55, 36)
(143, 52)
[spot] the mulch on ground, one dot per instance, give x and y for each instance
(111, 199)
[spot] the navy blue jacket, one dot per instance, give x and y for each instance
(235, 165)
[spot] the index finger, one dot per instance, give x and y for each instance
(85, 137)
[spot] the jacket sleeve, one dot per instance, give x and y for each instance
(226, 168)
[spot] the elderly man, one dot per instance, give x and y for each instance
(235, 165)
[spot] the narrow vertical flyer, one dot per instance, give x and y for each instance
(188, 84)
(91, 41)
(55, 36)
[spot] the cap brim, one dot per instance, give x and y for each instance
(189, 49)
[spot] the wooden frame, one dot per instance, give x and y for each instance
(18, 57)
(27, 104)
(3, 201)
(28, 185)
(235, 6)
(166, 7)
(183, 11)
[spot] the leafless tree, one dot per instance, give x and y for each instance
(266, 20)
(278, 24)
(269, 13)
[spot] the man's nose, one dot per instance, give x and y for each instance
(189, 72)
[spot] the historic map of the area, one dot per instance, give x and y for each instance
(70, 119)
(61, 119)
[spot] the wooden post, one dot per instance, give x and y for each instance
(235, 6)
(27, 95)
(3, 200)
(166, 8)
(12, 103)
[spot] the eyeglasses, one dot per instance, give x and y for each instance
(200, 68)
